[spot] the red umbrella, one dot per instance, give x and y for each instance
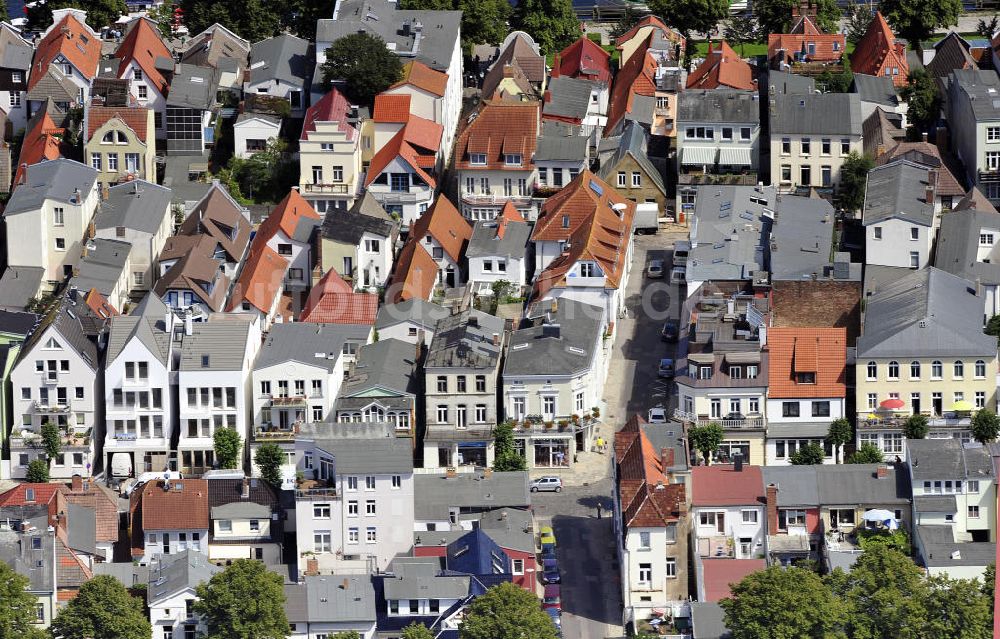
(893, 403)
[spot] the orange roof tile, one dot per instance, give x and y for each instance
(74, 41)
(720, 574)
(398, 147)
(332, 107)
(648, 499)
(645, 22)
(446, 225)
(143, 44)
(135, 118)
(822, 351)
(333, 301)
(636, 77)
(261, 278)
(500, 127)
(286, 217)
(579, 201)
(415, 275)
(99, 304)
(584, 59)
(183, 507)
(722, 68)
(423, 77)
(425, 134)
(829, 47)
(42, 142)
(391, 107)
(879, 49)
(17, 496)
(507, 215)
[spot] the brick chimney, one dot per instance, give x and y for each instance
(667, 457)
(245, 494)
(77, 484)
(882, 471)
(931, 190)
(772, 508)
(312, 566)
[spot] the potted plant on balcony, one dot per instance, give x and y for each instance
(596, 411)
(575, 419)
(549, 424)
(563, 424)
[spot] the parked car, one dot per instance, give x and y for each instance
(678, 275)
(550, 571)
(657, 415)
(548, 552)
(681, 250)
(547, 483)
(547, 537)
(670, 331)
(556, 615)
(655, 269)
(551, 598)
(666, 367)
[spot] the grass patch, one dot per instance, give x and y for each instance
(749, 50)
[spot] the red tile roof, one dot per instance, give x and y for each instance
(648, 498)
(879, 50)
(99, 304)
(42, 142)
(261, 279)
(286, 217)
(135, 118)
(721, 485)
(648, 21)
(415, 275)
(333, 301)
(499, 128)
(74, 41)
(143, 44)
(183, 507)
(446, 225)
(391, 107)
(636, 77)
(722, 68)
(830, 47)
(718, 574)
(425, 134)
(423, 77)
(579, 201)
(508, 214)
(399, 147)
(822, 351)
(584, 59)
(332, 107)
(16, 496)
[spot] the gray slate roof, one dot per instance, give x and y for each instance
(223, 343)
(718, 105)
(15, 323)
(935, 504)
(982, 92)
(327, 600)
(434, 494)
(632, 142)
(388, 364)
(311, 344)
(348, 227)
(241, 510)
(465, 340)
(18, 285)
(958, 245)
(708, 621)
(563, 347)
(284, 57)
(568, 97)
(877, 89)
(138, 205)
(786, 82)
(67, 319)
(896, 191)
(102, 266)
(729, 233)
(801, 239)
(418, 578)
(485, 243)
(192, 86)
(816, 113)
(81, 528)
(939, 544)
(832, 485)
(16, 552)
(15, 53)
(146, 323)
(434, 46)
(178, 572)
(60, 180)
(363, 448)
(927, 313)
(418, 311)
(948, 459)
(561, 148)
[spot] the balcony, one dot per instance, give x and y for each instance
(750, 422)
(564, 425)
(45, 408)
(742, 179)
(273, 433)
(401, 197)
(318, 492)
(946, 420)
(288, 400)
(497, 200)
(328, 189)
(68, 438)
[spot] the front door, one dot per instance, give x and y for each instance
(720, 522)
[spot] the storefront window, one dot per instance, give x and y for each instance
(472, 454)
(552, 452)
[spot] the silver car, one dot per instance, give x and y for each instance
(547, 484)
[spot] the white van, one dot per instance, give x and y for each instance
(678, 275)
(681, 250)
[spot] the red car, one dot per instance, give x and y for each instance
(551, 597)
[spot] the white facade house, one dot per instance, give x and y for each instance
(253, 132)
(138, 213)
(727, 522)
(410, 321)
(432, 97)
(17, 54)
(901, 215)
(498, 251)
(718, 132)
(69, 28)
(974, 127)
(279, 67)
(170, 594)
(360, 515)
(144, 60)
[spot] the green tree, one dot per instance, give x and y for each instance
(505, 456)
(915, 427)
(244, 600)
(923, 100)
(781, 603)
(691, 16)
(857, 17)
(741, 30)
(866, 454)
(100, 13)
(254, 20)
(363, 64)
(989, 580)
(775, 16)
(301, 16)
(854, 180)
(266, 176)
(417, 631)
(17, 613)
(836, 82)
(228, 447)
(269, 458)
(163, 15)
(38, 471)
(993, 326)
(988, 28)
(347, 634)
(103, 609)
(957, 608)
(895, 539)
(886, 593)
(506, 611)
(51, 441)
(916, 20)
(629, 18)
(808, 455)
(985, 426)
(552, 23)
(706, 439)
(483, 21)
(839, 435)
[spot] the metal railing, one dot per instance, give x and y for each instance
(746, 423)
(327, 188)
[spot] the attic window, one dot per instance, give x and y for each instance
(204, 361)
(478, 159)
(512, 159)
(565, 221)
(29, 494)
(84, 39)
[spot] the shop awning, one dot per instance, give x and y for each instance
(701, 358)
(697, 155)
(738, 156)
(750, 357)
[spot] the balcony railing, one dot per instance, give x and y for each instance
(747, 179)
(340, 188)
(472, 198)
(316, 493)
(288, 400)
(48, 408)
(400, 197)
(933, 420)
(271, 433)
(750, 422)
(559, 425)
(69, 439)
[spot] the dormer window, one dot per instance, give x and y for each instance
(588, 269)
(478, 159)
(805, 378)
(137, 74)
(512, 159)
